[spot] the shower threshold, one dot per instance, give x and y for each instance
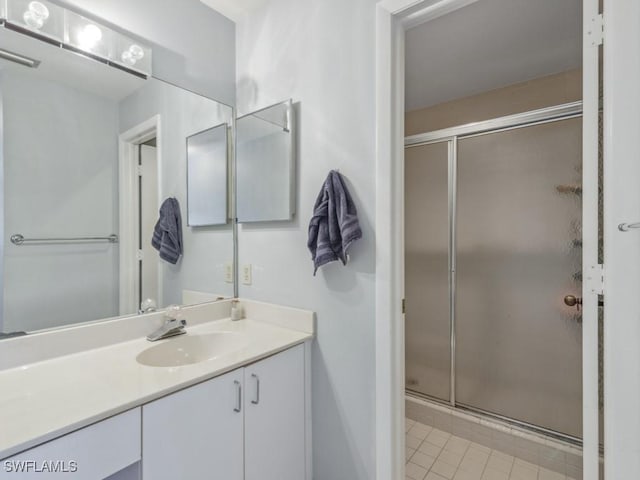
(560, 453)
(499, 419)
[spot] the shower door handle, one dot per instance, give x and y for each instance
(573, 301)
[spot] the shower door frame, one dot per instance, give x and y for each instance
(451, 136)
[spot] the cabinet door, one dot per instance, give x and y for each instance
(196, 433)
(91, 453)
(275, 417)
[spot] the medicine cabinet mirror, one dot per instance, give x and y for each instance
(207, 177)
(265, 164)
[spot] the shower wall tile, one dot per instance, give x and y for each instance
(462, 428)
(574, 459)
(574, 471)
(443, 421)
(526, 454)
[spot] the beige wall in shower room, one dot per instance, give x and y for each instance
(541, 92)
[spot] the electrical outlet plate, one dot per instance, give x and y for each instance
(228, 272)
(246, 274)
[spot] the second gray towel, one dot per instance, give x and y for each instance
(167, 234)
(334, 225)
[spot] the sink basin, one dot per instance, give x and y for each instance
(189, 349)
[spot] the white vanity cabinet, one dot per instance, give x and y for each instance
(274, 417)
(248, 424)
(95, 452)
(195, 433)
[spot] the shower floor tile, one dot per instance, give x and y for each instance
(436, 455)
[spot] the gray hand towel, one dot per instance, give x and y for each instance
(167, 234)
(334, 225)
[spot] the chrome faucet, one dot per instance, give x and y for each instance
(172, 326)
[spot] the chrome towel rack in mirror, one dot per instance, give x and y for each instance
(625, 227)
(19, 239)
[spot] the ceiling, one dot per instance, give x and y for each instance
(490, 44)
(234, 9)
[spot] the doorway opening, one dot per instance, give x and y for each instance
(140, 180)
(148, 258)
(491, 201)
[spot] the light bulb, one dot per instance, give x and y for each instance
(39, 9)
(36, 15)
(136, 51)
(127, 58)
(132, 55)
(32, 21)
(89, 36)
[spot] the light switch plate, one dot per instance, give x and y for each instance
(246, 274)
(228, 272)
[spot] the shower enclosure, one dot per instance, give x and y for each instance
(492, 248)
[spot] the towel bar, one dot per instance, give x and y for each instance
(625, 227)
(19, 239)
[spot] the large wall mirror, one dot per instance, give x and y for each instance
(89, 153)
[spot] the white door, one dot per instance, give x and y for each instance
(149, 262)
(275, 417)
(196, 433)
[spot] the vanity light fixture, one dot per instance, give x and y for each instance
(62, 27)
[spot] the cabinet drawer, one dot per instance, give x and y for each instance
(92, 453)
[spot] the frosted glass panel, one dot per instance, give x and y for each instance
(427, 270)
(518, 347)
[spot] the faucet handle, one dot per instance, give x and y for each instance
(172, 312)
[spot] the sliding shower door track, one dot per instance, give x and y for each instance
(509, 122)
(500, 419)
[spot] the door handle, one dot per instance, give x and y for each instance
(573, 301)
(256, 401)
(238, 407)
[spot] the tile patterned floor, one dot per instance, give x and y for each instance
(433, 454)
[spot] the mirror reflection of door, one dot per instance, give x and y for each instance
(148, 259)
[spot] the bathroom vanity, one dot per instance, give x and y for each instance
(93, 145)
(228, 400)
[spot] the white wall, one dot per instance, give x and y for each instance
(194, 46)
(321, 54)
(2, 240)
(622, 250)
(206, 249)
(58, 188)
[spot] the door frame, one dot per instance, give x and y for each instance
(621, 249)
(393, 17)
(129, 216)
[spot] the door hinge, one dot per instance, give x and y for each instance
(594, 34)
(139, 170)
(139, 255)
(404, 306)
(594, 279)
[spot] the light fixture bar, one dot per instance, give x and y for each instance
(55, 24)
(20, 59)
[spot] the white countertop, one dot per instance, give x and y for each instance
(47, 399)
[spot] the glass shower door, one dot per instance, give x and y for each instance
(518, 233)
(427, 326)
